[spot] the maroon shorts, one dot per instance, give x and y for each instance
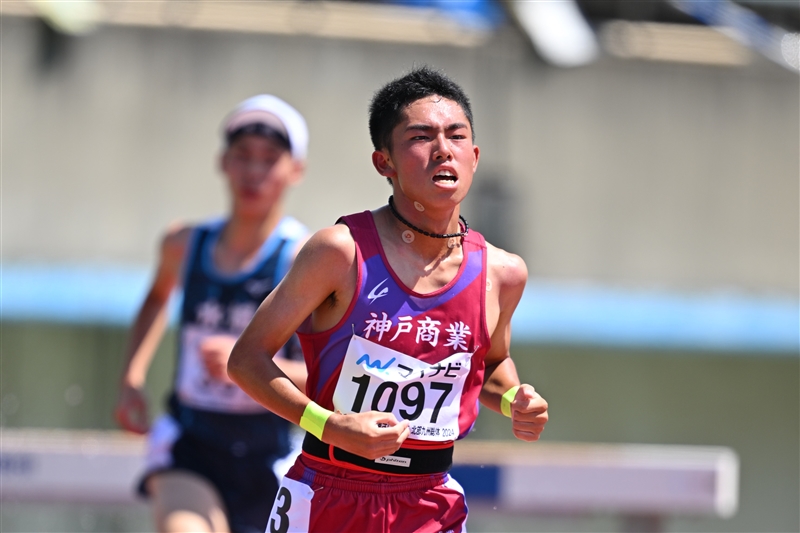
(317, 497)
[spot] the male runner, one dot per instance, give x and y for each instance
(404, 315)
(209, 460)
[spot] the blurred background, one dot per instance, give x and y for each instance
(642, 157)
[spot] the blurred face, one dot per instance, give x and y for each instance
(432, 159)
(258, 170)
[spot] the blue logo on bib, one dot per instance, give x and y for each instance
(376, 364)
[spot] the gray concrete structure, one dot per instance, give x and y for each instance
(626, 173)
(623, 172)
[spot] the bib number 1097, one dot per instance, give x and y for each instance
(415, 400)
(428, 395)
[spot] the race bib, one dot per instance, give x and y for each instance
(197, 389)
(291, 511)
(376, 378)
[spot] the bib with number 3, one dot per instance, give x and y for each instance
(291, 511)
(377, 378)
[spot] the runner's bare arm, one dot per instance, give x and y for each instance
(295, 369)
(147, 331)
(508, 274)
(320, 284)
(216, 350)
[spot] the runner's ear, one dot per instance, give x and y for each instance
(382, 162)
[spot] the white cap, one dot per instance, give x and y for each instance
(274, 113)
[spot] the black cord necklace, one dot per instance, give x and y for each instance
(427, 233)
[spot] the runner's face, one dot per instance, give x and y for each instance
(433, 158)
(258, 170)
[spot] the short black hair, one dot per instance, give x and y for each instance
(389, 101)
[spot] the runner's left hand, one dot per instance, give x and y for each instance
(528, 414)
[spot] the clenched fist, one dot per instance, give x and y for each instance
(528, 414)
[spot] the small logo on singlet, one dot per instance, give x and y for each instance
(374, 296)
(394, 461)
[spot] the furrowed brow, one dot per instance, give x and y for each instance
(419, 127)
(426, 127)
(456, 126)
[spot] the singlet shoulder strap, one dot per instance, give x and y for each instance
(194, 251)
(475, 239)
(362, 227)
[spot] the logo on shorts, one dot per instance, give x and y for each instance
(394, 460)
(374, 296)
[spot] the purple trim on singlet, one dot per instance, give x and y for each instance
(415, 305)
(375, 275)
(373, 271)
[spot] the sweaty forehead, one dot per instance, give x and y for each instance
(434, 108)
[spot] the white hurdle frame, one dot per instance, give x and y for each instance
(642, 483)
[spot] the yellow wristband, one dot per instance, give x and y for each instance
(314, 418)
(505, 401)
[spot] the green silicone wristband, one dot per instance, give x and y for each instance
(505, 401)
(314, 418)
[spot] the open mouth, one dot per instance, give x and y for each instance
(445, 177)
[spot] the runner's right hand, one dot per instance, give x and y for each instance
(371, 435)
(131, 410)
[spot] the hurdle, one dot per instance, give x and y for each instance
(643, 484)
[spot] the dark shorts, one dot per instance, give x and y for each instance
(243, 477)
